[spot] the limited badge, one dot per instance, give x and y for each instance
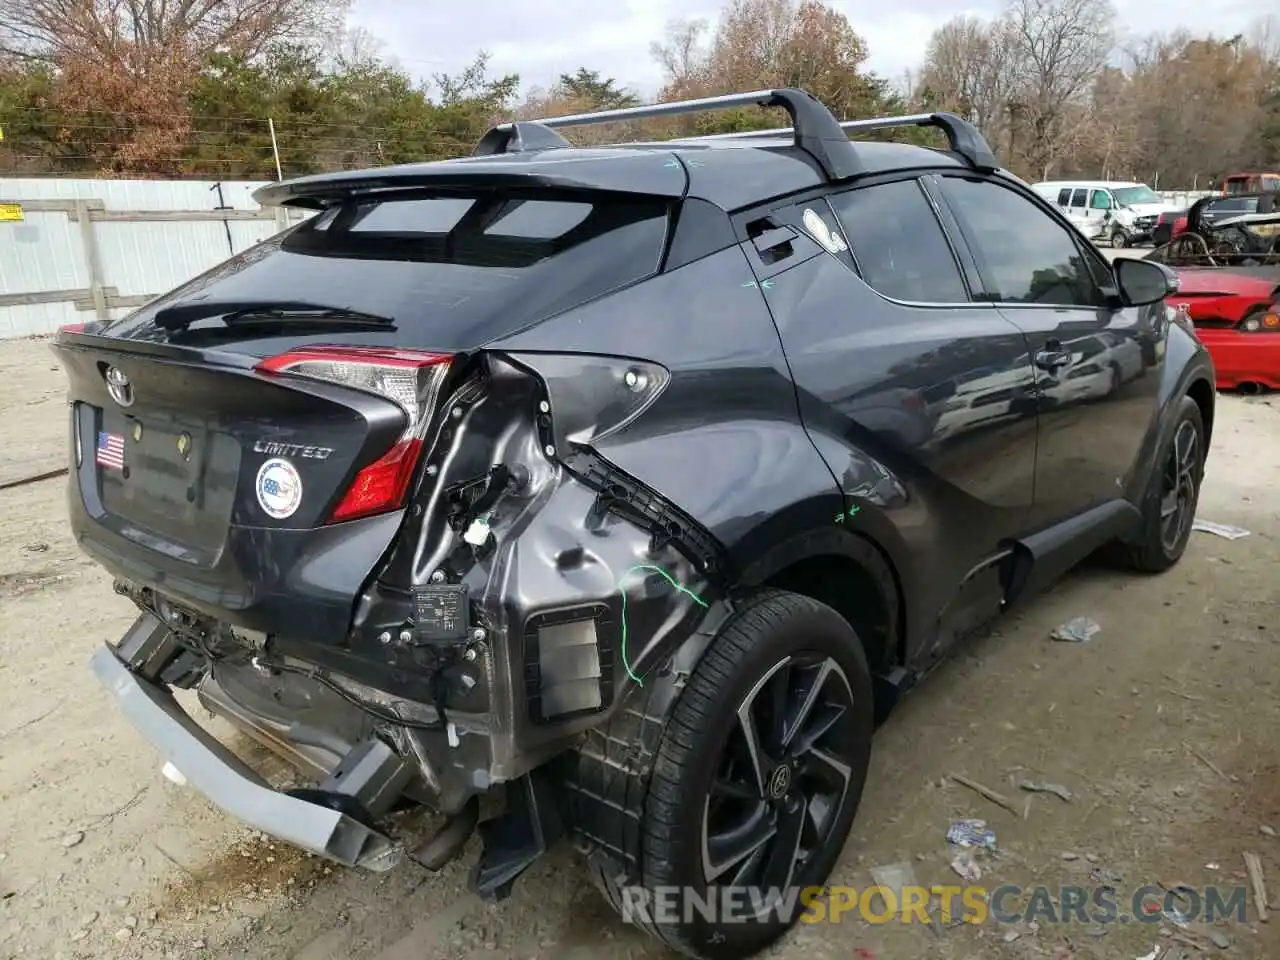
(279, 488)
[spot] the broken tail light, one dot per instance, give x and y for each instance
(411, 379)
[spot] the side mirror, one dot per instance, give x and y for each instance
(1144, 281)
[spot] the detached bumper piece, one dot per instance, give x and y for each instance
(318, 821)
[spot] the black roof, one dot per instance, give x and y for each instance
(730, 171)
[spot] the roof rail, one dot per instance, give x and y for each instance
(813, 126)
(964, 137)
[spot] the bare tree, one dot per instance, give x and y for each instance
(769, 43)
(682, 56)
(49, 29)
(969, 68)
(1060, 47)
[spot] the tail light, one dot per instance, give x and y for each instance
(409, 378)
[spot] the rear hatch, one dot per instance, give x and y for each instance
(246, 445)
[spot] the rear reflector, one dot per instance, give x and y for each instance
(381, 485)
(410, 378)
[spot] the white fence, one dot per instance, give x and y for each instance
(77, 250)
(1185, 198)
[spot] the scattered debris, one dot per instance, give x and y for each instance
(1067, 855)
(1076, 630)
(1224, 530)
(971, 833)
(1187, 941)
(36, 547)
(1205, 760)
(966, 867)
(1219, 939)
(1211, 866)
(34, 478)
(1057, 789)
(894, 876)
(73, 838)
(1253, 866)
(1267, 831)
(1153, 955)
(996, 798)
(110, 815)
(1011, 936)
(32, 722)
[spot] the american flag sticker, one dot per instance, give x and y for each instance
(110, 452)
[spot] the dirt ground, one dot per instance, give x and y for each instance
(1161, 727)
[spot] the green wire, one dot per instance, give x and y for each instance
(665, 576)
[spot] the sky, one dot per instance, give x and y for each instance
(540, 39)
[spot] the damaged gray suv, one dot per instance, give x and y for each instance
(623, 489)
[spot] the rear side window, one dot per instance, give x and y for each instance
(1064, 197)
(898, 243)
(454, 268)
(1077, 199)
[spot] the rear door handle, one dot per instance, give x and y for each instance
(1051, 358)
(775, 243)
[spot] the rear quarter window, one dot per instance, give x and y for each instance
(898, 243)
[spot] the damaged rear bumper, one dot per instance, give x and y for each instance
(227, 782)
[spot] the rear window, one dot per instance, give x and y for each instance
(460, 268)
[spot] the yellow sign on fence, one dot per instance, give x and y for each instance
(11, 213)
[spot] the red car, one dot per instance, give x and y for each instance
(1237, 317)
(1229, 269)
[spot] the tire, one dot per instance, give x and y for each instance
(1163, 539)
(1119, 239)
(779, 644)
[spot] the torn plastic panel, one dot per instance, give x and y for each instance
(525, 597)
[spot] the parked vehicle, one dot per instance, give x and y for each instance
(1251, 183)
(1168, 225)
(540, 476)
(1206, 212)
(1121, 213)
(1229, 284)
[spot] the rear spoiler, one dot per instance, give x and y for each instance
(622, 174)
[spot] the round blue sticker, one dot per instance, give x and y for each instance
(279, 488)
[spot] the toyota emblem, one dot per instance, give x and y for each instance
(119, 387)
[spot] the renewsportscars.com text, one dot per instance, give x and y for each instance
(1006, 904)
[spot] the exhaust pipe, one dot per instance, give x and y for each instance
(1250, 389)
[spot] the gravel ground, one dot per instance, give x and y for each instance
(1161, 728)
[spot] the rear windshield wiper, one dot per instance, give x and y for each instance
(181, 315)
